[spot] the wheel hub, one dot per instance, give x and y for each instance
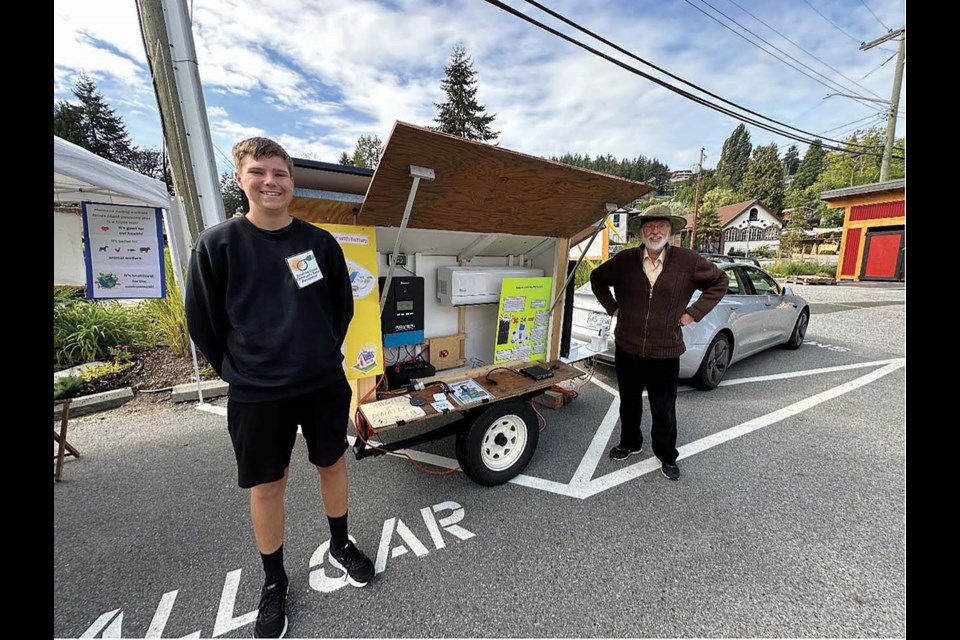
(504, 442)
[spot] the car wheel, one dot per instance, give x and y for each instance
(799, 331)
(498, 444)
(715, 363)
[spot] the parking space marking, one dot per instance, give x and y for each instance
(697, 446)
(582, 485)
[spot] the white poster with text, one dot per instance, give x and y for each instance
(123, 246)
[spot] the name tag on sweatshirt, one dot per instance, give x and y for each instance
(304, 268)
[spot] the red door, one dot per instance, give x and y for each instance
(851, 244)
(882, 255)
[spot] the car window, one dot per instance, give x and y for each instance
(762, 283)
(733, 287)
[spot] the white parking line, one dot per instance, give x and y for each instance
(582, 486)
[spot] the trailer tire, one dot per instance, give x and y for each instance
(497, 445)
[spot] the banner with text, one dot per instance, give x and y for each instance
(123, 248)
(363, 347)
(524, 319)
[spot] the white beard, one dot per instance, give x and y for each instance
(656, 246)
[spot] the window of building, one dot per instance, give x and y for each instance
(754, 214)
(771, 233)
(756, 233)
(731, 235)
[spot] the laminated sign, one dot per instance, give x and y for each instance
(362, 349)
(123, 248)
(523, 321)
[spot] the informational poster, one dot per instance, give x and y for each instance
(363, 347)
(123, 247)
(524, 319)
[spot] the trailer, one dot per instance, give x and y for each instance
(443, 205)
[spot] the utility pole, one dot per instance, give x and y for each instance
(696, 203)
(894, 95)
(173, 65)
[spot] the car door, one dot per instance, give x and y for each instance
(776, 314)
(746, 320)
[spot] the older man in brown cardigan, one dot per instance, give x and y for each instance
(652, 285)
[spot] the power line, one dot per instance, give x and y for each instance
(802, 49)
(874, 15)
(762, 49)
(662, 83)
(873, 116)
(857, 40)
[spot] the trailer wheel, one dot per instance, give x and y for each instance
(498, 443)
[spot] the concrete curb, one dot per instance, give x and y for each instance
(85, 405)
(188, 391)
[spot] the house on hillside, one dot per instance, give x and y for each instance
(745, 226)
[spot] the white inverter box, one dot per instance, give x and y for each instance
(458, 286)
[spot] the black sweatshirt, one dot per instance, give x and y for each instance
(263, 333)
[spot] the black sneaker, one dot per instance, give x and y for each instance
(620, 452)
(670, 471)
(358, 566)
(272, 613)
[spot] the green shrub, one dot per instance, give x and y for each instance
(66, 386)
(167, 317)
(583, 274)
(85, 330)
(103, 370)
(783, 269)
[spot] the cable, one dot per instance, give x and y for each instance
(361, 426)
(875, 15)
(539, 416)
(582, 29)
(746, 39)
(666, 85)
(835, 26)
(735, 3)
(494, 382)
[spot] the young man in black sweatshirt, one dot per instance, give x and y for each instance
(268, 301)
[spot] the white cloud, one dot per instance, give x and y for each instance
(319, 75)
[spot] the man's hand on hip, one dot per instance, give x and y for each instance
(685, 319)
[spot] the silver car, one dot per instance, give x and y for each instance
(756, 313)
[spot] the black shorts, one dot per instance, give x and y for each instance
(263, 433)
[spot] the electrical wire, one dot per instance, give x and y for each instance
(630, 54)
(361, 426)
(666, 85)
(745, 10)
(863, 2)
(746, 39)
(539, 416)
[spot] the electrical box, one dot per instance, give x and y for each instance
(401, 322)
(476, 285)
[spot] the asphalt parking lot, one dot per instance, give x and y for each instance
(788, 521)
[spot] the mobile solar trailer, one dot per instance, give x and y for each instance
(444, 200)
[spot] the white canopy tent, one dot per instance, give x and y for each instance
(82, 176)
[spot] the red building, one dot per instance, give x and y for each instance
(874, 225)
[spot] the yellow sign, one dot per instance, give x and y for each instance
(363, 347)
(524, 320)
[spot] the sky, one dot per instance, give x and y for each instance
(315, 76)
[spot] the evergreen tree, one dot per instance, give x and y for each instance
(345, 159)
(791, 160)
(734, 158)
(105, 133)
(811, 167)
(68, 122)
(764, 178)
(461, 115)
(230, 191)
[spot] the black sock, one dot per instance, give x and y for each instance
(273, 566)
(338, 531)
